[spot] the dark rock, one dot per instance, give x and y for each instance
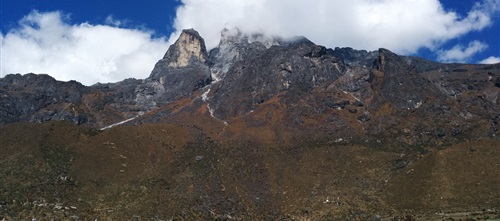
(456, 132)
(183, 69)
(273, 71)
(294, 79)
(422, 65)
(399, 164)
(353, 57)
(401, 85)
(340, 105)
(358, 103)
(439, 133)
(23, 96)
(364, 118)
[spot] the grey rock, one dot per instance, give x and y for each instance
(364, 118)
(248, 71)
(183, 69)
(353, 57)
(401, 85)
(23, 96)
(295, 68)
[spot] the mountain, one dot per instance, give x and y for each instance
(257, 128)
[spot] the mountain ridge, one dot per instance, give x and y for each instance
(257, 128)
(233, 80)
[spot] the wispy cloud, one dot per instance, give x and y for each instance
(460, 53)
(48, 43)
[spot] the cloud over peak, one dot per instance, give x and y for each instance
(404, 26)
(47, 43)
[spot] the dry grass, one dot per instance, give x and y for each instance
(165, 171)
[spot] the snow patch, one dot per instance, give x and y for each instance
(121, 122)
(204, 96)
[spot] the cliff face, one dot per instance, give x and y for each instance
(258, 128)
(183, 69)
(288, 83)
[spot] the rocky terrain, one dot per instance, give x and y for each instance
(258, 128)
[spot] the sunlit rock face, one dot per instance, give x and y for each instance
(259, 128)
(189, 48)
(291, 83)
(184, 68)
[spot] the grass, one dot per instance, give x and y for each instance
(164, 171)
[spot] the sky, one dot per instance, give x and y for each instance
(110, 40)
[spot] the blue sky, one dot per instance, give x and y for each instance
(107, 41)
(152, 14)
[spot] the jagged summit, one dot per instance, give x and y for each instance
(249, 74)
(236, 36)
(189, 48)
(236, 46)
(256, 129)
(183, 69)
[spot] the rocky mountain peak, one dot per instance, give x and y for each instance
(309, 81)
(235, 35)
(183, 69)
(236, 46)
(356, 134)
(354, 57)
(189, 46)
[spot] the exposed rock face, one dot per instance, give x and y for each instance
(188, 49)
(287, 130)
(236, 46)
(39, 98)
(183, 69)
(353, 57)
(290, 83)
(296, 68)
(401, 84)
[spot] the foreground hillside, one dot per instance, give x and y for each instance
(258, 128)
(160, 172)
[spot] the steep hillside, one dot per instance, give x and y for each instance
(258, 128)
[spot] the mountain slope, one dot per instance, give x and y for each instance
(58, 170)
(256, 128)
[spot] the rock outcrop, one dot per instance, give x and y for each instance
(295, 68)
(236, 46)
(39, 98)
(183, 69)
(259, 128)
(286, 83)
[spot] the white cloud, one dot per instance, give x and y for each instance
(490, 60)
(459, 53)
(112, 21)
(489, 6)
(404, 26)
(47, 43)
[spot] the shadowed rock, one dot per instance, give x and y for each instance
(183, 69)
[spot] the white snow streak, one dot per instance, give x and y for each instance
(205, 98)
(119, 123)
